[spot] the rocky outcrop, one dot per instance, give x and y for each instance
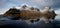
(26, 14)
(12, 12)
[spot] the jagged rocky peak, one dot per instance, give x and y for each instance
(12, 12)
(32, 8)
(36, 9)
(24, 6)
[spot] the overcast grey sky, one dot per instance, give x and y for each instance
(5, 4)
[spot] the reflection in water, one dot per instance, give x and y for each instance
(23, 24)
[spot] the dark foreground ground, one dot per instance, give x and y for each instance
(22, 24)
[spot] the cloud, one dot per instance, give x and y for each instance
(2, 3)
(39, 3)
(57, 11)
(3, 10)
(32, 2)
(43, 2)
(56, 4)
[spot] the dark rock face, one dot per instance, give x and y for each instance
(12, 12)
(26, 14)
(24, 6)
(53, 17)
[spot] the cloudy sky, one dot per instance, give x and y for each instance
(6, 4)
